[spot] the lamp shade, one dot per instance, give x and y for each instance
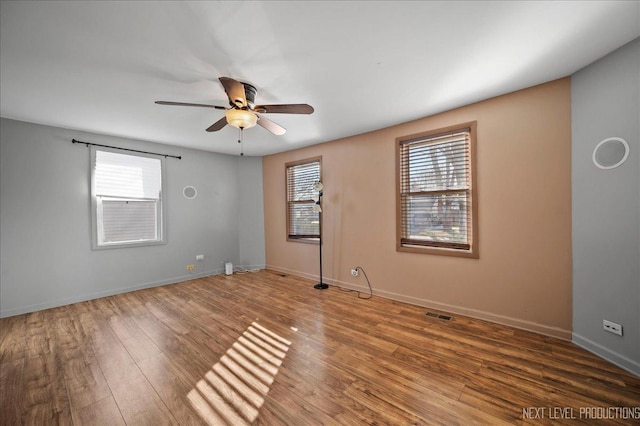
(316, 208)
(318, 186)
(241, 118)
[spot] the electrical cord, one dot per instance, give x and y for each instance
(357, 291)
(240, 271)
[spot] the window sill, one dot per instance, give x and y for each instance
(127, 245)
(315, 241)
(439, 251)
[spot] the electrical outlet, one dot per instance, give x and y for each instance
(354, 272)
(191, 267)
(612, 327)
(199, 257)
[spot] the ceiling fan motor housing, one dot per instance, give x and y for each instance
(250, 93)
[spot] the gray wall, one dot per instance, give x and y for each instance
(251, 213)
(606, 208)
(45, 228)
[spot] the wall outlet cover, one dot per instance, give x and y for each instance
(612, 327)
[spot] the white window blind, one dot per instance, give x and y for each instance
(302, 221)
(436, 191)
(127, 194)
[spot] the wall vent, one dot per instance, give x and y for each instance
(439, 316)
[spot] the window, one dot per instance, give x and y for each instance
(126, 198)
(437, 200)
(302, 222)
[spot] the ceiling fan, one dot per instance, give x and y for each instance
(242, 111)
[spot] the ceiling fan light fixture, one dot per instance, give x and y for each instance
(241, 118)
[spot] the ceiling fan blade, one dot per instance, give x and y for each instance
(274, 128)
(188, 104)
(235, 91)
(285, 109)
(217, 125)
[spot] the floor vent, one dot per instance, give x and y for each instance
(439, 316)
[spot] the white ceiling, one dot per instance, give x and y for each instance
(99, 66)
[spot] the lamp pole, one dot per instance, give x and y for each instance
(318, 187)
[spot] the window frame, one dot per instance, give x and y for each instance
(289, 237)
(96, 213)
(472, 195)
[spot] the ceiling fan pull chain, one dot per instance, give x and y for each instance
(240, 139)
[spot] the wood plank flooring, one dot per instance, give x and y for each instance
(266, 349)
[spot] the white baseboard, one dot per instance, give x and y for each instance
(249, 267)
(99, 294)
(454, 309)
(606, 353)
(294, 272)
(483, 315)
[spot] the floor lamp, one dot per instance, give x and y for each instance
(318, 209)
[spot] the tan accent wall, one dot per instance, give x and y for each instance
(523, 276)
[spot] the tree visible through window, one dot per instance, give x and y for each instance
(437, 203)
(302, 221)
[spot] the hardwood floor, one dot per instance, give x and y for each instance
(265, 349)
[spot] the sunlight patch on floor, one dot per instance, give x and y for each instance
(233, 390)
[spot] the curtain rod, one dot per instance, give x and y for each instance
(179, 157)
